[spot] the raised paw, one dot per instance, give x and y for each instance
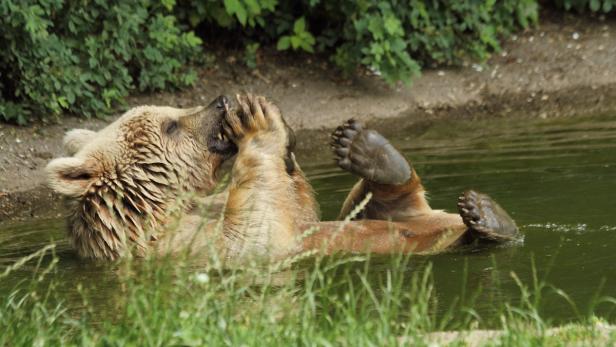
(368, 154)
(486, 219)
(258, 122)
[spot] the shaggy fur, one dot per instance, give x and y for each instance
(267, 205)
(125, 181)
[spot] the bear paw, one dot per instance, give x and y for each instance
(368, 154)
(256, 122)
(486, 219)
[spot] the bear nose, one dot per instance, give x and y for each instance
(222, 103)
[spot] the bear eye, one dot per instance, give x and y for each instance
(80, 175)
(171, 127)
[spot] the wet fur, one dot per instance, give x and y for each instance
(397, 218)
(123, 179)
(125, 184)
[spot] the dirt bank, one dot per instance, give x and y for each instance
(598, 333)
(565, 66)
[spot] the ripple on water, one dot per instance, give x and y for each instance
(570, 228)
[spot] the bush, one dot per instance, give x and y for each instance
(391, 37)
(83, 56)
(584, 5)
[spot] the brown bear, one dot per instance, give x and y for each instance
(126, 180)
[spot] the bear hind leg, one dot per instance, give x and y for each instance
(397, 192)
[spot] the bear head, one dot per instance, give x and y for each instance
(123, 178)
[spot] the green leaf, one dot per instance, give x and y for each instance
(375, 26)
(393, 25)
(295, 42)
(168, 4)
(308, 38)
(307, 47)
(269, 5)
(62, 102)
(300, 25)
(192, 39)
(595, 5)
(253, 6)
(283, 43)
(70, 96)
(235, 7)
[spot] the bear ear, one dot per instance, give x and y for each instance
(75, 139)
(70, 176)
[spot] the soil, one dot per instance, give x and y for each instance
(596, 334)
(565, 66)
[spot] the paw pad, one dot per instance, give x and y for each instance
(366, 153)
(486, 218)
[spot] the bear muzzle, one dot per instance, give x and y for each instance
(217, 141)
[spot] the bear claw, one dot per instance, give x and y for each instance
(485, 218)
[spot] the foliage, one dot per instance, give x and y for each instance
(584, 5)
(250, 54)
(390, 37)
(83, 56)
(227, 13)
(299, 38)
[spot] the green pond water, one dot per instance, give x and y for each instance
(557, 179)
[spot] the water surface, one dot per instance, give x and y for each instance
(557, 179)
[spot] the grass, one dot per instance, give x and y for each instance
(333, 301)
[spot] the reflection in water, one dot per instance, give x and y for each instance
(555, 177)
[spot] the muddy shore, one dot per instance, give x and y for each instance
(565, 66)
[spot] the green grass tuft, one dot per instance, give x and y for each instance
(319, 301)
